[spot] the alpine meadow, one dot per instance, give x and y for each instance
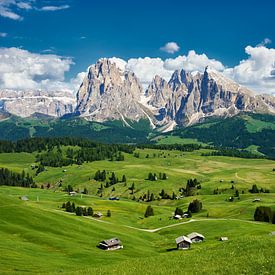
(137, 138)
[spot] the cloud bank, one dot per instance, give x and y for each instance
(21, 69)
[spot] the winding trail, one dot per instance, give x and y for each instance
(163, 227)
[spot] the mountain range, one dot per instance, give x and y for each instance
(108, 93)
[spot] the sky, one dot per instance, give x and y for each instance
(49, 44)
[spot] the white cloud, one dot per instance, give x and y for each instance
(192, 62)
(21, 69)
(170, 47)
(11, 8)
(146, 68)
(54, 8)
(257, 71)
(3, 34)
(120, 63)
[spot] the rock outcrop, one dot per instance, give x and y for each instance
(28, 103)
(107, 93)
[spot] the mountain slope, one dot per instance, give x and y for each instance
(14, 128)
(241, 131)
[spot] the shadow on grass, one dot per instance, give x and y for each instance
(171, 249)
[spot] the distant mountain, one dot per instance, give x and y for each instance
(107, 93)
(29, 103)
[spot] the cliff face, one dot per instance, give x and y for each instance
(107, 93)
(28, 103)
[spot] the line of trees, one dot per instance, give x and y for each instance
(230, 152)
(9, 178)
(255, 189)
(153, 176)
(78, 210)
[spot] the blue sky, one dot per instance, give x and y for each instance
(87, 30)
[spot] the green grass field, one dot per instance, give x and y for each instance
(38, 236)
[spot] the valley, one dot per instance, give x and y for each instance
(64, 242)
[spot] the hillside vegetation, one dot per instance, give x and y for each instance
(38, 235)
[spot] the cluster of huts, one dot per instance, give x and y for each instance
(182, 242)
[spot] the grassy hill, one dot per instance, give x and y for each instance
(252, 132)
(242, 131)
(38, 236)
(14, 128)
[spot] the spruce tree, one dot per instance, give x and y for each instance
(149, 211)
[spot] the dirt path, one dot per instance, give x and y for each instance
(159, 228)
(236, 175)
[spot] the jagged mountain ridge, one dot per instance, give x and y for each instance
(108, 93)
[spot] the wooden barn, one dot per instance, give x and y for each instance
(183, 242)
(195, 237)
(112, 244)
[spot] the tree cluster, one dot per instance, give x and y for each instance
(10, 178)
(153, 176)
(255, 189)
(191, 187)
(78, 210)
(195, 206)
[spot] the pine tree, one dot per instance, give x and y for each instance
(90, 211)
(123, 178)
(79, 211)
(149, 211)
(195, 206)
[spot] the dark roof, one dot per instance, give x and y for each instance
(111, 242)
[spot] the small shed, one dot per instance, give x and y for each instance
(195, 237)
(111, 244)
(98, 215)
(24, 198)
(183, 242)
(223, 239)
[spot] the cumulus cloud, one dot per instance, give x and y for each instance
(257, 71)
(192, 62)
(170, 47)
(21, 69)
(146, 68)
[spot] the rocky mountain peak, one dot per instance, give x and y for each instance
(109, 93)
